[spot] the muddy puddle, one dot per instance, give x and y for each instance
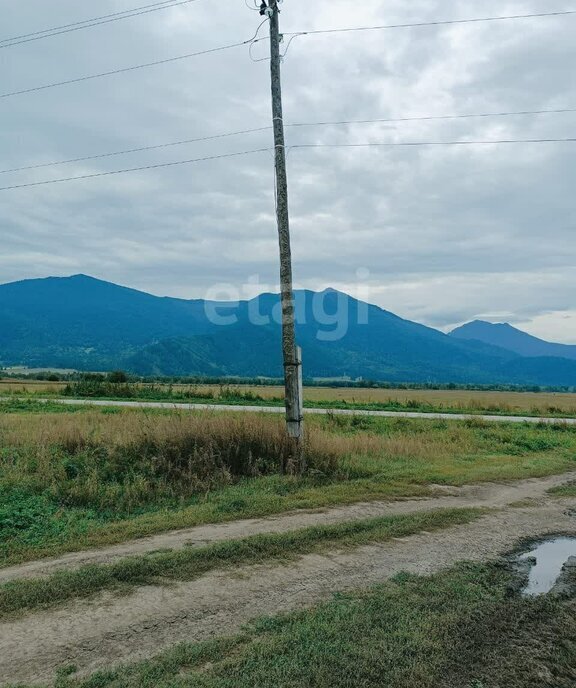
(552, 559)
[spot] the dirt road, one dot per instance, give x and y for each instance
(491, 495)
(98, 633)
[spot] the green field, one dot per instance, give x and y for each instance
(77, 478)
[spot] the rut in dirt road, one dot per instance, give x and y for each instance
(108, 630)
(493, 495)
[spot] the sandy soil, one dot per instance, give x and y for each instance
(108, 629)
(493, 495)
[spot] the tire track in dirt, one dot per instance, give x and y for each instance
(100, 633)
(493, 495)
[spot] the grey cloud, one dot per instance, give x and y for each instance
(447, 234)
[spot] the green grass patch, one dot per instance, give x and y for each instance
(567, 490)
(67, 530)
(31, 405)
(461, 628)
(189, 563)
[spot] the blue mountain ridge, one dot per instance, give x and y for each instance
(89, 324)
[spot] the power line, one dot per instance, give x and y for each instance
(168, 3)
(432, 23)
(394, 144)
(88, 23)
(136, 169)
(136, 150)
(427, 118)
(297, 146)
(295, 124)
(255, 39)
(125, 69)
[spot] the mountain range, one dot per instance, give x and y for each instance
(84, 323)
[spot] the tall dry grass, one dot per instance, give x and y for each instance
(122, 461)
(125, 460)
(246, 444)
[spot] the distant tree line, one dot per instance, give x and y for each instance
(118, 377)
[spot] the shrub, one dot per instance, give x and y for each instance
(118, 377)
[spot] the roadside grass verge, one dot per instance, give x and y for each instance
(461, 628)
(189, 563)
(90, 479)
(29, 404)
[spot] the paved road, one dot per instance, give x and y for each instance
(310, 411)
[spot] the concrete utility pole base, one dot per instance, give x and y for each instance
(294, 410)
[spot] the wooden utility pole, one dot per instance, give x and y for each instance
(291, 353)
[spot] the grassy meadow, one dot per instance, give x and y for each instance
(80, 478)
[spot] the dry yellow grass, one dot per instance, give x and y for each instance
(8, 386)
(135, 427)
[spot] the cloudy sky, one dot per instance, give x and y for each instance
(440, 235)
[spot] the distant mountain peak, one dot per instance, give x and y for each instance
(508, 337)
(487, 323)
(81, 276)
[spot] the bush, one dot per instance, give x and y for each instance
(118, 377)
